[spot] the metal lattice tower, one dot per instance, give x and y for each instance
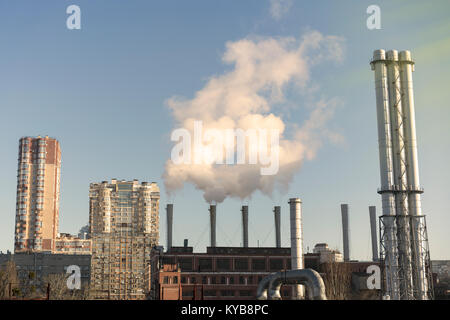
(404, 244)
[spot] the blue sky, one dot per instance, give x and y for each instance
(102, 91)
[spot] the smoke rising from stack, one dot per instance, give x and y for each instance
(244, 98)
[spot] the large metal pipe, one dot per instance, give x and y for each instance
(277, 216)
(373, 231)
(345, 232)
(414, 202)
(269, 287)
(400, 175)
(244, 211)
(212, 217)
(379, 66)
(169, 212)
(296, 242)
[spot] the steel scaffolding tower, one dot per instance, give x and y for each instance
(404, 242)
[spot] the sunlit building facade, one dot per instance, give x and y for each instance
(38, 184)
(124, 226)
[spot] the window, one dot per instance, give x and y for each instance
(204, 280)
(245, 293)
(209, 293)
(166, 280)
(188, 293)
(185, 264)
(241, 280)
(175, 280)
(205, 264)
(275, 264)
(223, 280)
(193, 280)
(227, 293)
(241, 264)
(168, 260)
(231, 280)
(258, 264)
(223, 264)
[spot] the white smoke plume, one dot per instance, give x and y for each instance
(244, 98)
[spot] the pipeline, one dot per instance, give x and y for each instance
(269, 287)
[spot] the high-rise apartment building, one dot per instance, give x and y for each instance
(124, 227)
(37, 206)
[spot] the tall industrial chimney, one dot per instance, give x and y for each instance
(373, 231)
(169, 211)
(296, 243)
(402, 223)
(277, 215)
(212, 216)
(345, 232)
(245, 226)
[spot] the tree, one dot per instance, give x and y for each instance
(8, 280)
(60, 291)
(337, 280)
(28, 287)
(57, 284)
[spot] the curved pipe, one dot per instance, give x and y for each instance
(261, 291)
(307, 277)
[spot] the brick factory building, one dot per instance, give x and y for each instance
(220, 273)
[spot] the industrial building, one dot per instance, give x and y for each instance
(124, 227)
(235, 272)
(42, 264)
(220, 273)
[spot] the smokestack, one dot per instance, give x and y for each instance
(169, 211)
(277, 214)
(386, 155)
(345, 232)
(212, 216)
(245, 226)
(296, 243)
(373, 230)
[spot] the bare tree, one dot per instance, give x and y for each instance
(29, 288)
(337, 280)
(57, 284)
(8, 280)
